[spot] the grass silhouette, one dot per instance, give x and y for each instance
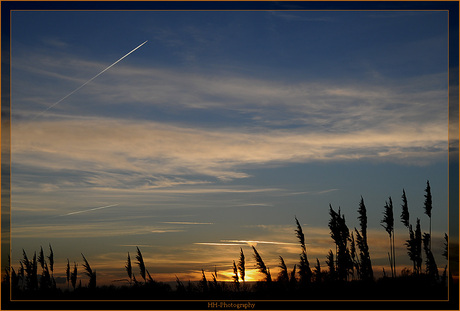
(299, 283)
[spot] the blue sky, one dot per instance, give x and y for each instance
(221, 129)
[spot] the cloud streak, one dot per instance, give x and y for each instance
(151, 151)
(186, 223)
(337, 105)
(267, 123)
(251, 242)
(89, 210)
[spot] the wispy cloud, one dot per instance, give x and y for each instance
(335, 104)
(250, 242)
(166, 230)
(243, 242)
(111, 148)
(97, 229)
(55, 42)
(187, 223)
(254, 204)
(295, 17)
(89, 210)
(218, 244)
(403, 121)
(318, 192)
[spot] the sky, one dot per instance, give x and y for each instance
(219, 131)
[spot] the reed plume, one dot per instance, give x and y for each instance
(304, 266)
(431, 267)
(235, 275)
(150, 279)
(143, 270)
(405, 210)
(180, 285)
(90, 273)
(51, 260)
(331, 264)
(41, 258)
(428, 205)
(300, 235)
(241, 265)
(129, 269)
(214, 284)
(445, 252)
(364, 264)
(388, 223)
(418, 245)
(261, 266)
(67, 273)
(204, 282)
(340, 234)
(318, 273)
(30, 268)
(283, 275)
(73, 276)
(140, 262)
(353, 254)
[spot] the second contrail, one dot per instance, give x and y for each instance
(92, 78)
(89, 210)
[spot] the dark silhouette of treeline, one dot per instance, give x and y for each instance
(349, 273)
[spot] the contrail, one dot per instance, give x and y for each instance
(89, 210)
(90, 79)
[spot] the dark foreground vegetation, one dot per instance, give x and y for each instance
(400, 288)
(349, 274)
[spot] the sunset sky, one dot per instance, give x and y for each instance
(221, 129)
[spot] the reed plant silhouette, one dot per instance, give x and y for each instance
(51, 261)
(428, 205)
(180, 286)
(331, 265)
(364, 266)
(388, 223)
(215, 286)
(414, 247)
(261, 266)
(73, 276)
(241, 265)
(431, 267)
(235, 276)
(405, 210)
(45, 279)
(341, 235)
(351, 257)
(129, 269)
(354, 256)
(67, 273)
(317, 272)
(143, 270)
(90, 273)
(418, 245)
(140, 263)
(305, 273)
(30, 269)
(283, 275)
(445, 254)
(203, 282)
